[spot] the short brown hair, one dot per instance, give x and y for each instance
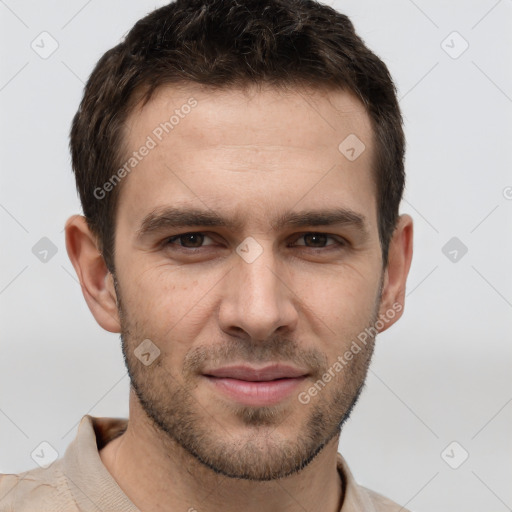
(226, 44)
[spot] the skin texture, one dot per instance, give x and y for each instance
(249, 155)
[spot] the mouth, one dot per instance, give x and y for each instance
(256, 386)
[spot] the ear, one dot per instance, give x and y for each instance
(96, 281)
(395, 274)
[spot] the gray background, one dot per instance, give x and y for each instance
(442, 374)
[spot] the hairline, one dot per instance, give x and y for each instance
(144, 93)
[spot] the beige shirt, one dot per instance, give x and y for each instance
(79, 482)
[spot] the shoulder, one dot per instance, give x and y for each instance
(358, 497)
(381, 503)
(36, 490)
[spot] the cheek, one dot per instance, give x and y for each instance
(338, 310)
(167, 303)
(345, 296)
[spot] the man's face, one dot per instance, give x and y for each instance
(257, 290)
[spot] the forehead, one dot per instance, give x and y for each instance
(250, 150)
(258, 109)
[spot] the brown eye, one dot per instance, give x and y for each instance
(188, 240)
(318, 240)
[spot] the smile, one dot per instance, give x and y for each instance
(256, 386)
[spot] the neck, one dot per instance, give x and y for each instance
(157, 474)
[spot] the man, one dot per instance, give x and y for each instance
(240, 168)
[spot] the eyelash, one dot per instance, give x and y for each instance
(339, 241)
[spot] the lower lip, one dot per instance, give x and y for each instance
(256, 393)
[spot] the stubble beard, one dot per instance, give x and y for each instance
(265, 452)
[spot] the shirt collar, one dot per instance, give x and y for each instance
(94, 488)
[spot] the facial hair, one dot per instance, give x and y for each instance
(167, 398)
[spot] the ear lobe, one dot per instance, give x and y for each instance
(396, 272)
(95, 279)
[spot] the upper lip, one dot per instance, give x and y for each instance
(271, 372)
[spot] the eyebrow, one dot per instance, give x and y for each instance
(167, 218)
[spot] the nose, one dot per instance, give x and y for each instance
(258, 298)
